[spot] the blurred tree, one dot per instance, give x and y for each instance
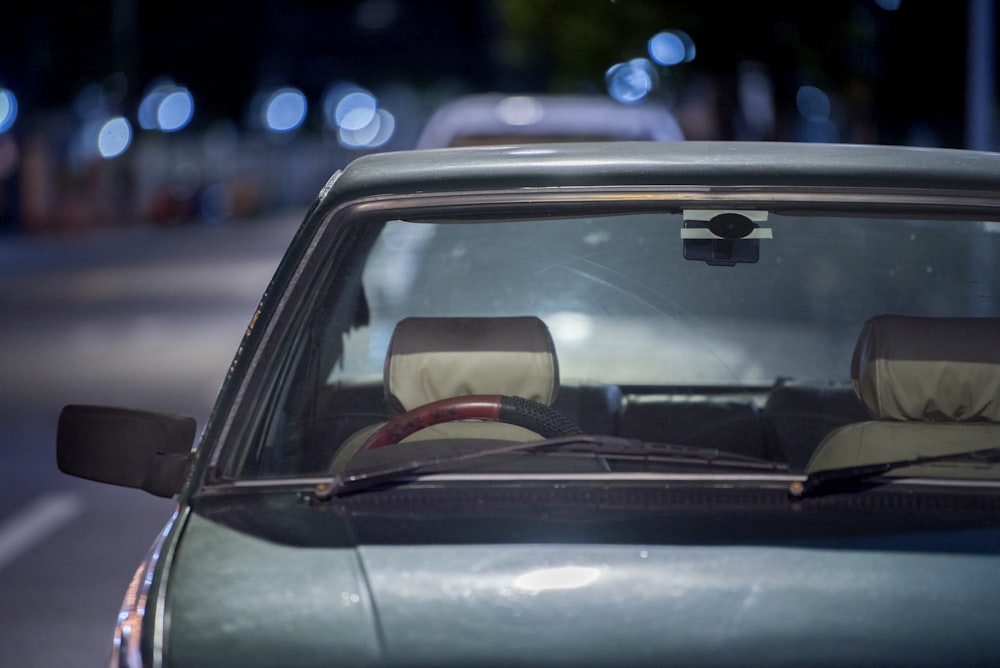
(887, 72)
(567, 46)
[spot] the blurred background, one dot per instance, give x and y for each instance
(117, 112)
(156, 157)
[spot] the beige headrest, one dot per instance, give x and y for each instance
(437, 358)
(938, 369)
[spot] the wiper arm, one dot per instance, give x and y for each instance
(344, 484)
(833, 480)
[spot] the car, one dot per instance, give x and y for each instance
(592, 404)
(500, 118)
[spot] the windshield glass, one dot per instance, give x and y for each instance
(658, 334)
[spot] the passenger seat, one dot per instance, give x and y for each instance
(933, 385)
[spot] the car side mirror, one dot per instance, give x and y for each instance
(120, 446)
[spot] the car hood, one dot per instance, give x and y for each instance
(237, 597)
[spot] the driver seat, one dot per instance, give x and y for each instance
(430, 359)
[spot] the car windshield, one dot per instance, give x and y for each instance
(663, 331)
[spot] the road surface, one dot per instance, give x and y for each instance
(140, 317)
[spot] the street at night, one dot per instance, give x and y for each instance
(143, 318)
(156, 160)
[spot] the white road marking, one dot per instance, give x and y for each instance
(33, 523)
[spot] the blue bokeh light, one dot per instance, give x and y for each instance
(285, 110)
(175, 110)
(813, 104)
(353, 113)
(376, 133)
(114, 137)
(166, 107)
(8, 109)
(631, 82)
(671, 47)
(331, 100)
(355, 110)
(149, 108)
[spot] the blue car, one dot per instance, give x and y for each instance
(593, 404)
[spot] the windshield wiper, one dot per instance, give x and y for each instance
(601, 446)
(847, 478)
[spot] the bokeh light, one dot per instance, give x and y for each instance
(149, 107)
(671, 47)
(813, 104)
(631, 82)
(114, 137)
(8, 109)
(355, 110)
(353, 113)
(285, 110)
(175, 111)
(373, 135)
(816, 109)
(166, 106)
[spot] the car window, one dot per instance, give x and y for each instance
(625, 308)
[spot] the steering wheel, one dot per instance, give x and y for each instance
(539, 418)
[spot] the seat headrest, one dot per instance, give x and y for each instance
(934, 369)
(436, 358)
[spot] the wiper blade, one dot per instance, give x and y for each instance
(608, 447)
(831, 481)
(634, 449)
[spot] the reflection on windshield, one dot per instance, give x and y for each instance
(753, 359)
(624, 307)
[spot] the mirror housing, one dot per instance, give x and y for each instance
(120, 446)
(723, 238)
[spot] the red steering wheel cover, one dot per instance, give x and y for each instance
(470, 407)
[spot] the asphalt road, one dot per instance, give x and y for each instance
(141, 317)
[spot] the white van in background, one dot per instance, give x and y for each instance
(496, 118)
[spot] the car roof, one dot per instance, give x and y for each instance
(481, 119)
(638, 164)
